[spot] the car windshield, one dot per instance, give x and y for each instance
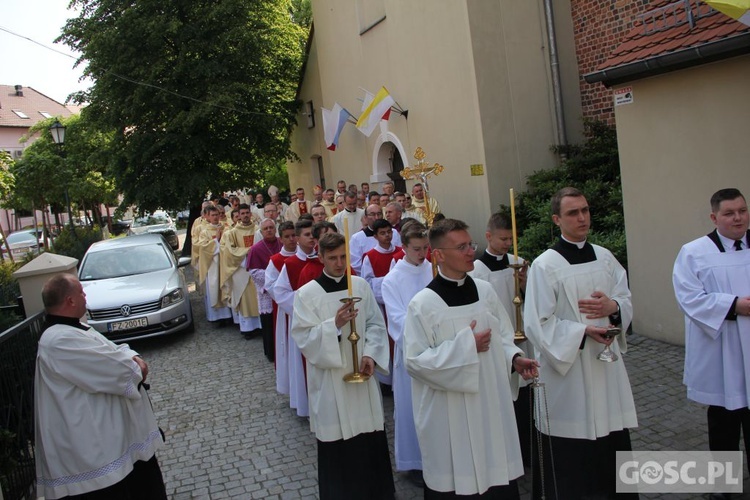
(124, 261)
(151, 220)
(19, 237)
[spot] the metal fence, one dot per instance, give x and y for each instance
(18, 347)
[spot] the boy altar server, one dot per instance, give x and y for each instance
(347, 419)
(462, 382)
(407, 277)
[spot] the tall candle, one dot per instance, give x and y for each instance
(513, 225)
(348, 258)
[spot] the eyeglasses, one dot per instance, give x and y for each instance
(374, 214)
(461, 248)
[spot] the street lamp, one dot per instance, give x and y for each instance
(57, 130)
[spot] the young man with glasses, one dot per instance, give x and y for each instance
(463, 383)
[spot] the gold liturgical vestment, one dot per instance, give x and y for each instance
(237, 289)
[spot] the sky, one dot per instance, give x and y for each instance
(26, 63)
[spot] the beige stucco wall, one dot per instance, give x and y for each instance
(683, 138)
(447, 66)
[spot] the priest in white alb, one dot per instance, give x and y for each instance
(711, 280)
(347, 418)
(209, 272)
(459, 351)
(575, 292)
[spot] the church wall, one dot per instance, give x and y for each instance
(515, 93)
(681, 140)
(423, 57)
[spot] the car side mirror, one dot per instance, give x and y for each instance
(183, 261)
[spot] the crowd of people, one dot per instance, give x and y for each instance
(435, 325)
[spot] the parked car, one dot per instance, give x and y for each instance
(159, 222)
(135, 289)
(118, 226)
(23, 242)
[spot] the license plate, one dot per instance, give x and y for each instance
(128, 324)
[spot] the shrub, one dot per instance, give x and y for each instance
(594, 168)
(75, 243)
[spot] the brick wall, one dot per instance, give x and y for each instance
(599, 26)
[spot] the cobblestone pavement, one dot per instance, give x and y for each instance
(230, 435)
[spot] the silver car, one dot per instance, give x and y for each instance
(135, 289)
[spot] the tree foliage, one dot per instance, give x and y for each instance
(200, 94)
(594, 168)
(46, 171)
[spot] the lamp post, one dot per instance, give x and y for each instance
(57, 130)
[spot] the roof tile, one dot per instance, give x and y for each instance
(639, 44)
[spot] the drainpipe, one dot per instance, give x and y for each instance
(554, 63)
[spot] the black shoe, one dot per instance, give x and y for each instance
(247, 335)
(416, 478)
(386, 390)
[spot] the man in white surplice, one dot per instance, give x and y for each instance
(407, 277)
(347, 418)
(459, 351)
(96, 433)
(712, 284)
(574, 292)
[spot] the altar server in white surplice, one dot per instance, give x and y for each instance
(575, 291)
(407, 277)
(712, 285)
(459, 351)
(347, 419)
(493, 266)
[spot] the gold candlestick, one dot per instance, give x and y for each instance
(356, 377)
(519, 336)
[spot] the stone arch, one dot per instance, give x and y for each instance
(388, 159)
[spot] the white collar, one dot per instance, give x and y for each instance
(459, 281)
(498, 257)
(287, 253)
(380, 249)
(579, 244)
(337, 280)
(728, 243)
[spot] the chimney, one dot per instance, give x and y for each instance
(19, 90)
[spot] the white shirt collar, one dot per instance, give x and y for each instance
(728, 243)
(498, 257)
(380, 249)
(460, 282)
(579, 244)
(337, 280)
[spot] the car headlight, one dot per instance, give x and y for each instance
(172, 298)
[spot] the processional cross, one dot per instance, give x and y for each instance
(422, 171)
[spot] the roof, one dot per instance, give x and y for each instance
(30, 103)
(673, 35)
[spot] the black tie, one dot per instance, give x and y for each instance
(737, 245)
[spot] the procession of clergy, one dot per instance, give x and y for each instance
(427, 313)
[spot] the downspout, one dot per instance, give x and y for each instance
(562, 138)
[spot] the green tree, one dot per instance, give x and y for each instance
(7, 184)
(201, 95)
(594, 168)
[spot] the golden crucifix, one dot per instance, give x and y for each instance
(423, 170)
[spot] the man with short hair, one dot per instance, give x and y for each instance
(493, 267)
(269, 212)
(329, 203)
(281, 207)
(318, 213)
(459, 351)
(283, 291)
(409, 275)
(317, 194)
(298, 207)
(208, 245)
(258, 259)
(365, 187)
(388, 189)
(234, 203)
(364, 240)
(339, 205)
(236, 286)
(361, 199)
(347, 419)
(341, 187)
(377, 262)
(373, 198)
(314, 267)
(418, 202)
(351, 215)
(195, 231)
(288, 238)
(711, 280)
(575, 293)
(392, 214)
(96, 435)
